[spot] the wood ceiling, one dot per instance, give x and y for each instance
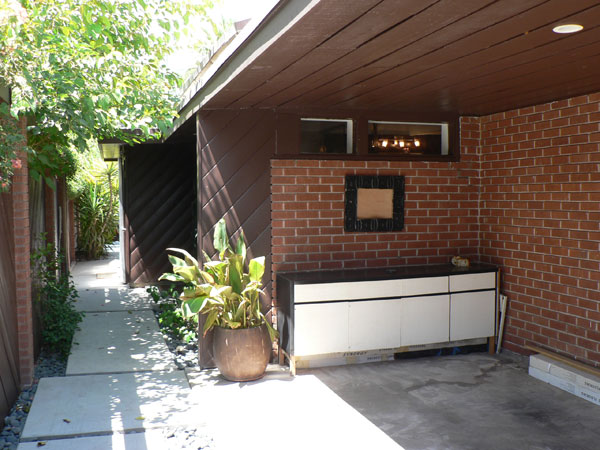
(471, 57)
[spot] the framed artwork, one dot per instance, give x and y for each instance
(374, 203)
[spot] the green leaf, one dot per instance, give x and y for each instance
(220, 239)
(196, 305)
(189, 259)
(211, 320)
(171, 277)
(187, 272)
(256, 268)
(240, 247)
(236, 273)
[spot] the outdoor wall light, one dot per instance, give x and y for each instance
(567, 28)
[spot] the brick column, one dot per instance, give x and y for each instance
(20, 191)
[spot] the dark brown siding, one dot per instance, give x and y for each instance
(159, 206)
(236, 148)
(9, 380)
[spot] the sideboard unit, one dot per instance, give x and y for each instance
(344, 314)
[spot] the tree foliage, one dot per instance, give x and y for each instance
(90, 69)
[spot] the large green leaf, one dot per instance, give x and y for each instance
(187, 272)
(175, 261)
(220, 238)
(256, 268)
(240, 247)
(189, 259)
(236, 269)
(197, 304)
(171, 277)
(211, 320)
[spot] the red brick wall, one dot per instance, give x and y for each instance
(20, 193)
(540, 220)
(441, 212)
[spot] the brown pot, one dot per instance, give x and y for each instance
(242, 354)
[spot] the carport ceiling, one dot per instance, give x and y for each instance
(470, 57)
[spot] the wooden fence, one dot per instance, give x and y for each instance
(9, 377)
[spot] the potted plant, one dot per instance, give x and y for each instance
(228, 292)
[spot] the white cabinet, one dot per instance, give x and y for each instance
(374, 324)
(321, 328)
(472, 314)
(323, 314)
(424, 320)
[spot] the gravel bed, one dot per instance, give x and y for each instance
(184, 354)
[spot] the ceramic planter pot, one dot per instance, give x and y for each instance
(243, 354)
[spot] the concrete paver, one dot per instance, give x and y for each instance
(113, 299)
(304, 413)
(149, 440)
(113, 342)
(104, 404)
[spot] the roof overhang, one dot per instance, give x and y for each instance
(465, 57)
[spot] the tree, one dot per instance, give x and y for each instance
(88, 69)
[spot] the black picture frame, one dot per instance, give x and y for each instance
(353, 183)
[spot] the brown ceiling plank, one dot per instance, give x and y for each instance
(568, 73)
(429, 41)
(439, 15)
(469, 69)
(566, 88)
(540, 61)
(374, 22)
(488, 38)
(320, 24)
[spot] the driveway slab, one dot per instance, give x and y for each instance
(103, 404)
(302, 412)
(113, 342)
(113, 299)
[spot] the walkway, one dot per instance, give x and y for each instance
(123, 391)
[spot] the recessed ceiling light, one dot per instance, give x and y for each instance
(567, 28)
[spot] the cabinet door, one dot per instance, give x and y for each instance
(424, 320)
(472, 315)
(320, 328)
(374, 324)
(473, 281)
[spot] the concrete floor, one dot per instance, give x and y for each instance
(473, 401)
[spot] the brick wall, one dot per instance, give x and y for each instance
(20, 195)
(441, 212)
(540, 220)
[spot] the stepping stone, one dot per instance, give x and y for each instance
(315, 417)
(76, 406)
(113, 342)
(113, 299)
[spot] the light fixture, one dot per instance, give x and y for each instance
(395, 143)
(567, 28)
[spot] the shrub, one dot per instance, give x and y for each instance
(171, 317)
(95, 188)
(57, 295)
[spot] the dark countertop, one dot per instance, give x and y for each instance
(383, 273)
